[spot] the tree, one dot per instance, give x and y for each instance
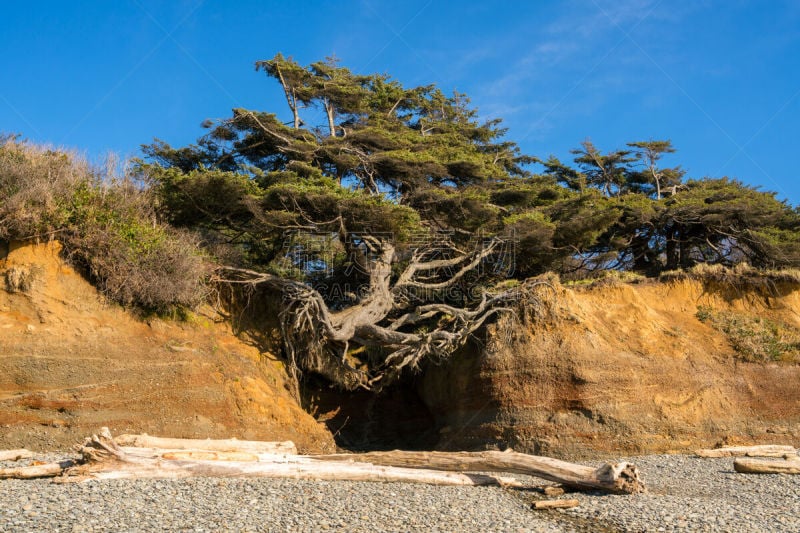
(565, 175)
(295, 81)
(377, 230)
(606, 172)
(649, 153)
(390, 230)
(725, 221)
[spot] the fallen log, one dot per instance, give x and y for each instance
(766, 450)
(36, 471)
(103, 458)
(188, 455)
(755, 466)
(213, 445)
(610, 477)
(555, 504)
(15, 455)
(293, 470)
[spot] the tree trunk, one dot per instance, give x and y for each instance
(755, 466)
(203, 455)
(672, 250)
(295, 111)
(15, 455)
(329, 111)
(291, 99)
(220, 445)
(611, 477)
(769, 450)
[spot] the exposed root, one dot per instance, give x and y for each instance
(398, 323)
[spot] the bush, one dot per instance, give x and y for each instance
(107, 225)
(36, 188)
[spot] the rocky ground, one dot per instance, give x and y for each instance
(685, 494)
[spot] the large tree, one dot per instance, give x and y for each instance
(389, 218)
(376, 228)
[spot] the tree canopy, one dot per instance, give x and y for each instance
(391, 227)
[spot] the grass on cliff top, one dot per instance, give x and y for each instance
(604, 277)
(741, 275)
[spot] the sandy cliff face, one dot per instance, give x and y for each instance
(613, 368)
(622, 368)
(70, 363)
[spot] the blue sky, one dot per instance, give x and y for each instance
(721, 79)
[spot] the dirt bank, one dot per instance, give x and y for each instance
(70, 363)
(613, 368)
(626, 367)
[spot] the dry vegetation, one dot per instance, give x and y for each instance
(738, 276)
(754, 338)
(107, 225)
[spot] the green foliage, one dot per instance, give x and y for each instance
(724, 221)
(704, 313)
(390, 159)
(604, 171)
(533, 233)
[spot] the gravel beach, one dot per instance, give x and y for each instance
(685, 494)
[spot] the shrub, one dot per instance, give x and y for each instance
(36, 188)
(107, 225)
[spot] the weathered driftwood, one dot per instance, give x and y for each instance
(553, 491)
(611, 477)
(202, 455)
(555, 504)
(310, 470)
(766, 450)
(36, 471)
(756, 466)
(218, 445)
(15, 455)
(103, 458)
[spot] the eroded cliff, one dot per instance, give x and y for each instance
(71, 363)
(615, 367)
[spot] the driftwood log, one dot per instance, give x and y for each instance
(555, 504)
(553, 491)
(789, 465)
(611, 477)
(36, 471)
(104, 458)
(767, 450)
(15, 455)
(217, 445)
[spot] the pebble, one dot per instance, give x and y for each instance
(684, 494)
